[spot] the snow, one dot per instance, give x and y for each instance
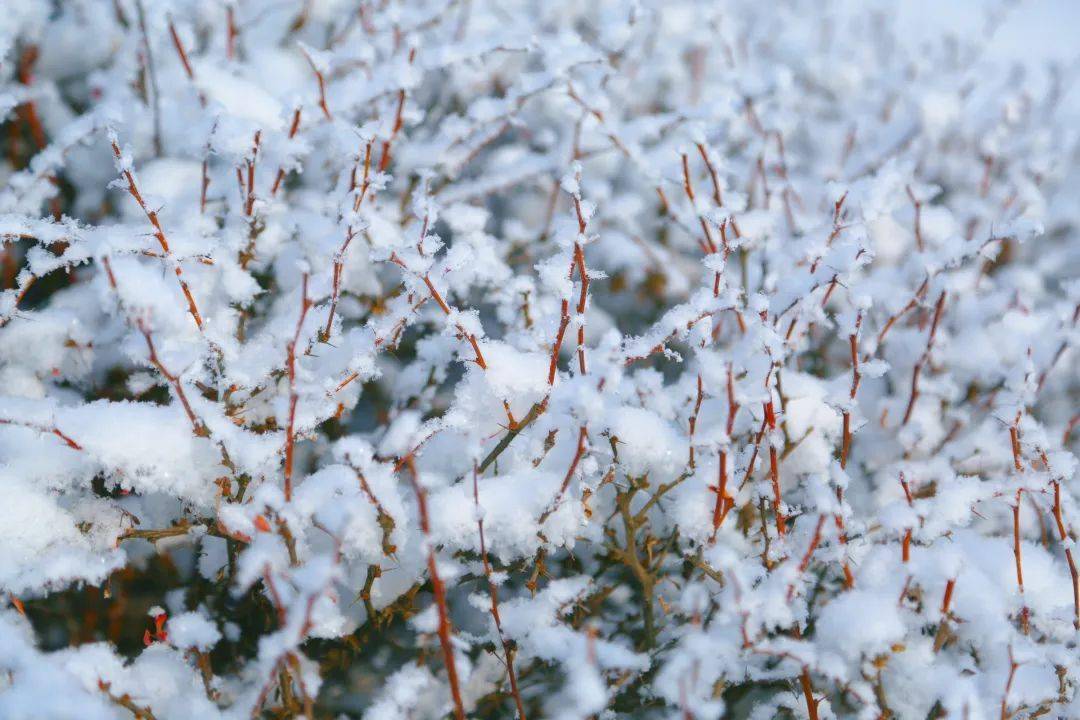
(665, 359)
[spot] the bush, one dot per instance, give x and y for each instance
(564, 360)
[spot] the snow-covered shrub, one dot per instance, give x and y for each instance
(483, 358)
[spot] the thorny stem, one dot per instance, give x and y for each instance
(774, 473)
(172, 379)
(438, 298)
(339, 257)
(384, 161)
(579, 258)
(693, 420)
(290, 431)
(805, 562)
(28, 110)
(438, 590)
(493, 593)
(917, 204)
(564, 320)
(1013, 665)
(1024, 612)
(41, 428)
(534, 412)
(1064, 536)
(912, 304)
(723, 500)
(188, 70)
(151, 72)
(159, 234)
(853, 341)
(249, 202)
(578, 453)
(125, 701)
(905, 550)
(231, 31)
(925, 357)
(294, 126)
(642, 573)
(583, 275)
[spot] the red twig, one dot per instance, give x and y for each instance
(493, 593)
(173, 380)
(249, 203)
(230, 32)
(815, 539)
(293, 127)
(321, 80)
(579, 261)
(188, 70)
(1013, 665)
(159, 234)
(290, 430)
(856, 377)
(399, 120)
(1024, 612)
(946, 601)
(906, 548)
(150, 72)
(694, 418)
(917, 204)
(578, 453)
(438, 590)
(1064, 536)
(910, 306)
(925, 357)
(339, 257)
(718, 197)
(722, 507)
(774, 472)
(564, 320)
(42, 428)
(438, 298)
(28, 114)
